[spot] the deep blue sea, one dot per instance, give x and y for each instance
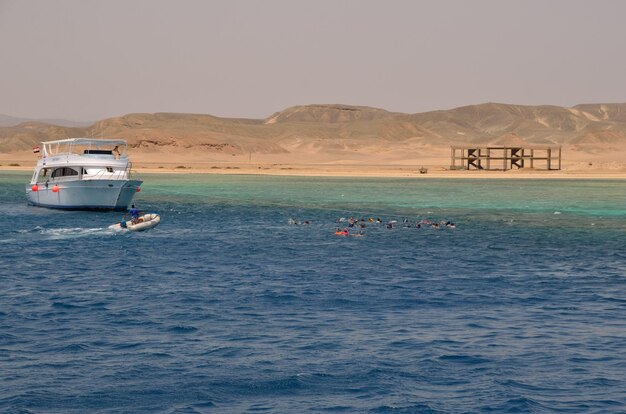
(227, 307)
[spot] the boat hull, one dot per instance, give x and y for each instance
(85, 194)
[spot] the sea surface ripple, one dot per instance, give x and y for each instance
(227, 307)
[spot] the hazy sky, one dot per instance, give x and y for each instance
(86, 60)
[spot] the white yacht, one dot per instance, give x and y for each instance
(83, 173)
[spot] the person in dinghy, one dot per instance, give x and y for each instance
(138, 220)
(134, 216)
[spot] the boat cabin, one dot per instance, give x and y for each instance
(82, 159)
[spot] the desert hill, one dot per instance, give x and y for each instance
(9, 121)
(328, 114)
(345, 133)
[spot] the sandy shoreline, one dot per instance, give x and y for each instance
(371, 171)
(576, 166)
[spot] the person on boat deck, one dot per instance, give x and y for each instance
(134, 214)
(116, 151)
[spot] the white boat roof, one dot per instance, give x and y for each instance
(87, 141)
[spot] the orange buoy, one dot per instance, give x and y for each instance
(35, 187)
(138, 189)
(55, 189)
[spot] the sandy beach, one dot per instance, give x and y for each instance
(295, 165)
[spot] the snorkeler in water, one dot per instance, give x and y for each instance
(340, 232)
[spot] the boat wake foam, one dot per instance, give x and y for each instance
(73, 232)
(69, 233)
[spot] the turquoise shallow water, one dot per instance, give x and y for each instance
(225, 307)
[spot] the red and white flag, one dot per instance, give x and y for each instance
(35, 150)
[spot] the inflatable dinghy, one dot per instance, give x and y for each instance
(145, 222)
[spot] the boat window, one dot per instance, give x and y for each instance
(99, 152)
(43, 175)
(63, 172)
(83, 171)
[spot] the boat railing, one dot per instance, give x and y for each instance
(68, 155)
(115, 175)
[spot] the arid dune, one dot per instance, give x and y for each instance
(344, 138)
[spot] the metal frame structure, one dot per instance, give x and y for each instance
(504, 158)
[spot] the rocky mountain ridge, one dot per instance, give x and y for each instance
(336, 129)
